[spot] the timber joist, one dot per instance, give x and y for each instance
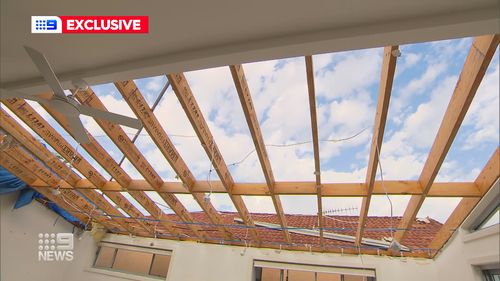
(94, 198)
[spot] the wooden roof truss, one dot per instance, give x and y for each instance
(33, 163)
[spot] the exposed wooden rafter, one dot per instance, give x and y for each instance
(139, 106)
(195, 116)
(123, 142)
(476, 63)
(394, 187)
(53, 138)
(50, 178)
(96, 151)
(26, 176)
(253, 124)
(314, 127)
(485, 180)
(39, 167)
(384, 96)
(79, 204)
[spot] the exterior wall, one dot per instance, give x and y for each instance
(464, 255)
(204, 262)
(19, 245)
(19, 241)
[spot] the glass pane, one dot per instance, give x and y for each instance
(132, 261)
(354, 278)
(271, 274)
(296, 275)
(493, 219)
(160, 265)
(328, 277)
(105, 257)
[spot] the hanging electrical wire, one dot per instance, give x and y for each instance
(243, 226)
(58, 192)
(385, 190)
(297, 144)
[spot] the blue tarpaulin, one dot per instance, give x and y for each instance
(54, 207)
(10, 183)
(25, 197)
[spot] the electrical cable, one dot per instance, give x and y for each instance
(243, 226)
(293, 244)
(297, 144)
(248, 155)
(385, 190)
(70, 167)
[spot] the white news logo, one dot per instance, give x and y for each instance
(55, 246)
(46, 24)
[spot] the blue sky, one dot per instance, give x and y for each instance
(347, 88)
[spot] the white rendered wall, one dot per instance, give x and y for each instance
(19, 241)
(204, 262)
(464, 254)
(19, 245)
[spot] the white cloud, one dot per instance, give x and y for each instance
(155, 83)
(259, 204)
(455, 171)
(416, 86)
(410, 59)
(380, 205)
(483, 114)
(355, 70)
(438, 208)
(420, 127)
(344, 118)
(358, 175)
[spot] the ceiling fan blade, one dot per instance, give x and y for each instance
(46, 70)
(37, 99)
(78, 131)
(109, 116)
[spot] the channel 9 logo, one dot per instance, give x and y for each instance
(46, 24)
(55, 246)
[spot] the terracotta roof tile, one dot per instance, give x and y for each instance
(419, 236)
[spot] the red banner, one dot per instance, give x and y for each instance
(105, 24)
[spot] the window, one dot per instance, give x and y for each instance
(135, 260)
(275, 271)
(486, 213)
(132, 261)
(492, 275)
(492, 219)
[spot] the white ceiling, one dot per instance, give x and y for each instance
(188, 35)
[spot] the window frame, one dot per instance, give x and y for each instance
(116, 247)
(487, 218)
(488, 205)
(488, 274)
(369, 273)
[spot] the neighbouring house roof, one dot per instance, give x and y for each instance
(419, 235)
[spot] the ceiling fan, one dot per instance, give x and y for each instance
(68, 106)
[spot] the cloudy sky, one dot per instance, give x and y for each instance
(347, 87)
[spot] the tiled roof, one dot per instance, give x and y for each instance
(419, 236)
